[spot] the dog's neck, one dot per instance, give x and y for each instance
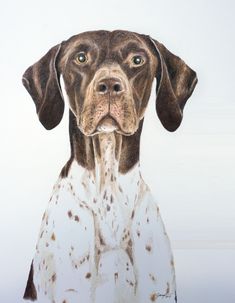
(107, 154)
(107, 148)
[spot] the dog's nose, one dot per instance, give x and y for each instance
(109, 86)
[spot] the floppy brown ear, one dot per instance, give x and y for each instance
(175, 84)
(42, 83)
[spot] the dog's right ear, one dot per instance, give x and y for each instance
(42, 83)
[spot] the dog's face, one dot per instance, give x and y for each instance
(108, 78)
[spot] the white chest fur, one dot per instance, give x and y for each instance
(102, 239)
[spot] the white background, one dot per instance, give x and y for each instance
(191, 172)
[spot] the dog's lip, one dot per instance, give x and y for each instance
(107, 124)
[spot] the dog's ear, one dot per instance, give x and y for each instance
(42, 82)
(175, 84)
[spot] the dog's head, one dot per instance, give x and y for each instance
(108, 78)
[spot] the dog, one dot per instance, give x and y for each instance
(102, 238)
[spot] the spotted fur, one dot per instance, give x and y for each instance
(102, 238)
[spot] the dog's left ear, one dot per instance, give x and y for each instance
(175, 84)
(42, 83)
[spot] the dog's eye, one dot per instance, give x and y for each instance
(137, 60)
(81, 58)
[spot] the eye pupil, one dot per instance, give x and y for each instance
(81, 58)
(137, 60)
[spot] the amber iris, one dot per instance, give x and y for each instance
(81, 58)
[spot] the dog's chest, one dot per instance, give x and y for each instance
(110, 207)
(77, 211)
(86, 230)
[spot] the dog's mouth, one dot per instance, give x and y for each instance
(107, 125)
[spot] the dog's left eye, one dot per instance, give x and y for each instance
(81, 58)
(137, 60)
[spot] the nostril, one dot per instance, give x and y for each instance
(117, 87)
(102, 88)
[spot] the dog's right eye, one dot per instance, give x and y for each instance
(81, 58)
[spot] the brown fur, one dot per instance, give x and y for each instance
(109, 57)
(30, 291)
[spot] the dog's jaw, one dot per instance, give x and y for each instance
(107, 125)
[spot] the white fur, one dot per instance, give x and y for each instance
(82, 252)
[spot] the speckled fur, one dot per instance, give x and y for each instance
(103, 241)
(102, 238)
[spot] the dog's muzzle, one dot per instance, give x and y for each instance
(110, 88)
(109, 104)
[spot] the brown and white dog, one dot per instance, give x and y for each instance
(102, 238)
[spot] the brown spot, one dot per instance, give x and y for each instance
(147, 220)
(94, 200)
(130, 282)
(167, 288)
(30, 291)
(88, 275)
(76, 218)
(53, 237)
(104, 196)
(153, 297)
(148, 247)
(115, 276)
(129, 251)
(70, 290)
(64, 301)
(108, 207)
(53, 277)
(132, 214)
(111, 199)
(101, 240)
(70, 214)
(138, 233)
(152, 277)
(47, 244)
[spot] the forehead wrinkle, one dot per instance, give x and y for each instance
(125, 44)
